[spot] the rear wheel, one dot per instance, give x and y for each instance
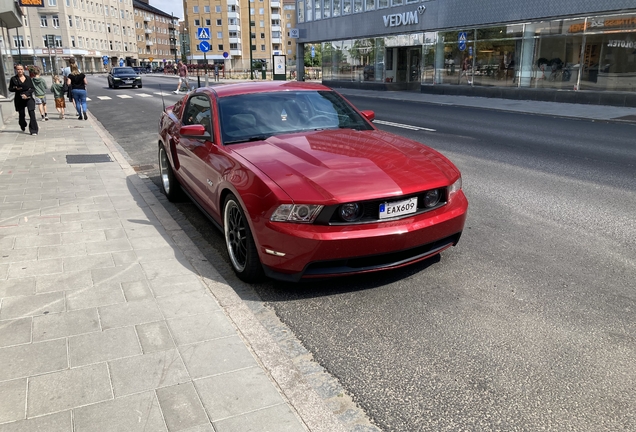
(240, 243)
(169, 183)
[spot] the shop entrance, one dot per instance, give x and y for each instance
(409, 60)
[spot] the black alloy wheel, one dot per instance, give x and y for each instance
(240, 243)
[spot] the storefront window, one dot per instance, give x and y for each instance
(346, 7)
(301, 11)
(357, 6)
(318, 9)
(369, 5)
(336, 8)
(326, 9)
(310, 9)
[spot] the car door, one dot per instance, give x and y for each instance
(193, 152)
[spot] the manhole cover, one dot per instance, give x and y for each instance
(87, 158)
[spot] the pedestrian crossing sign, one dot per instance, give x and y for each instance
(203, 33)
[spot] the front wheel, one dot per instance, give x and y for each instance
(169, 184)
(139, 86)
(240, 243)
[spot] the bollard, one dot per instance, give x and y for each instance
(198, 81)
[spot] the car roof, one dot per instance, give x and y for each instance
(263, 87)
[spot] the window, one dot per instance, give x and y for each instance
(219, 22)
(219, 35)
(208, 22)
(68, 3)
(221, 47)
(43, 21)
(217, 9)
(73, 41)
(52, 2)
(206, 9)
(233, 46)
(262, 47)
(195, 9)
(198, 111)
(197, 22)
(56, 21)
(70, 21)
(58, 41)
(261, 23)
(289, 43)
(275, 34)
(261, 11)
(262, 35)
(231, 21)
(18, 41)
(80, 41)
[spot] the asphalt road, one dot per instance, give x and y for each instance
(528, 324)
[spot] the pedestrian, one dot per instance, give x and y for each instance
(23, 88)
(58, 93)
(66, 72)
(182, 70)
(39, 84)
(77, 82)
(466, 71)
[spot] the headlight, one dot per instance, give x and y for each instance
(431, 198)
(350, 212)
(303, 213)
(117, 78)
(455, 187)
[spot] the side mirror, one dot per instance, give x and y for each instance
(368, 114)
(194, 131)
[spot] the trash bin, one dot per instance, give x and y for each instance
(263, 73)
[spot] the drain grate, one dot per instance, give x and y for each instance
(87, 158)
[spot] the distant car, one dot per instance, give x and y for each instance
(140, 69)
(123, 76)
(302, 184)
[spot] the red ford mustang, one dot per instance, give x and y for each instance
(303, 185)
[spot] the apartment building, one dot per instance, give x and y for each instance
(157, 34)
(288, 21)
(234, 26)
(89, 31)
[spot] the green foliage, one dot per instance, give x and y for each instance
(315, 61)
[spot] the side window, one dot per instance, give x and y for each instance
(198, 111)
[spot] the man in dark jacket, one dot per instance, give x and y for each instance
(23, 88)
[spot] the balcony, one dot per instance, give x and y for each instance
(276, 28)
(275, 16)
(147, 19)
(234, 15)
(234, 27)
(235, 40)
(232, 2)
(277, 40)
(236, 53)
(148, 31)
(149, 43)
(274, 4)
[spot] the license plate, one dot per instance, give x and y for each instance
(398, 208)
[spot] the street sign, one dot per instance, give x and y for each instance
(204, 46)
(470, 51)
(121, 62)
(225, 55)
(203, 33)
(313, 52)
(294, 33)
(150, 58)
(105, 60)
(461, 38)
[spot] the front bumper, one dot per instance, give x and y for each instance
(313, 251)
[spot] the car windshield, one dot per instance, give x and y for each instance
(258, 116)
(123, 71)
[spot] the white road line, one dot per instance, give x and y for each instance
(163, 93)
(124, 96)
(144, 95)
(88, 99)
(403, 126)
(104, 98)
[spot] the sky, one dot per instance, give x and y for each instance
(169, 6)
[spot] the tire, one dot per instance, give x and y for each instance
(139, 86)
(115, 87)
(134, 86)
(239, 242)
(110, 85)
(169, 184)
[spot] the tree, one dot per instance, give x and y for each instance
(317, 60)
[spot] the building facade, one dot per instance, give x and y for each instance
(235, 26)
(93, 32)
(157, 35)
(414, 44)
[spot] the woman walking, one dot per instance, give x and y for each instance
(77, 82)
(23, 88)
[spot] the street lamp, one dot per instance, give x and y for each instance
(251, 60)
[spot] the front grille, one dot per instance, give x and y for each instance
(371, 209)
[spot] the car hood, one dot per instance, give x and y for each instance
(125, 75)
(342, 165)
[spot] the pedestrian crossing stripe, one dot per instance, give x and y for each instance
(162, 93)
(104, 98)
(143, 95)
(88, 99)
(124, 96)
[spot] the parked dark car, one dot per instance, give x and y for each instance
(123, 76)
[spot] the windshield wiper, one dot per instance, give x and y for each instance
(249, 139)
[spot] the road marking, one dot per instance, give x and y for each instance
(403, 126)
(162, 93)
(88, 99)
(144, 95)
(124, 96)
(104, 98)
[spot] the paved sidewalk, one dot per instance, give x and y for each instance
(110, 317)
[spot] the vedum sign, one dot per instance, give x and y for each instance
(404, 18)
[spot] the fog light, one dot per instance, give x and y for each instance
(350, 212)
(431, 198)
